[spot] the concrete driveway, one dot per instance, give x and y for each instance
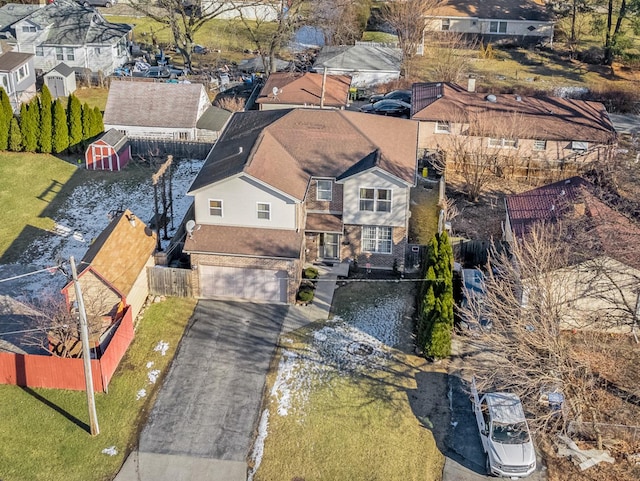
(202, 424)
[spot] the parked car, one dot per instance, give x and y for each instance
(504, 433)
(404, 95)
(99, 3)
(162, 72)
(473, 292)
(392, 108)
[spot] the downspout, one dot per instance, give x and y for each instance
(322, 92)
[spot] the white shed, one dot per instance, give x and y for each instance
(61, 80)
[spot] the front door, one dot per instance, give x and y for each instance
(330, 246)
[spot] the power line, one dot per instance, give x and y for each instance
(55, 268)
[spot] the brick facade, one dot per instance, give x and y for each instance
(312, 204)
(351, 249)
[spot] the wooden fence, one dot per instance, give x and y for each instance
(169, 281)
(161, 148)
(475, 253)
(33, 370)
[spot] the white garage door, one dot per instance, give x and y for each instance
(243, 283)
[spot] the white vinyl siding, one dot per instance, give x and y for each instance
(377, 239)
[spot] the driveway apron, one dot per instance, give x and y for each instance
(203, 421)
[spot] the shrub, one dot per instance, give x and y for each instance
(310, 273)
(305, 294)
(46, 123)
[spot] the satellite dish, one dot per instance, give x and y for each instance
(191, 224)
(275, 91)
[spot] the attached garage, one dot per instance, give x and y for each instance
(243, 283)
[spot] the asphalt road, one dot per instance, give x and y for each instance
(203, 421)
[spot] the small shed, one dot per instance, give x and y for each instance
(61, 80)
(111, 151)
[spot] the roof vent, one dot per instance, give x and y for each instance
(568, 181)
(518, 98)
(562, 192)
(239, 150)
(491, 98)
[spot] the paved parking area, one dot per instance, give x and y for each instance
(203, 421)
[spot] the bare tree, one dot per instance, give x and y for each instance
(448, 58)
(342, 21)
(408, 19)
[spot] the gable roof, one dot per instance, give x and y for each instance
(359, 58)
(10, 61)
(214, 119)
(114, 138)
(12, 12)
(153, 104)
(286, 148)
(71, 23)
(121, 251)
(545, 118)
(305, 89)
(493, 9)
(63, 69)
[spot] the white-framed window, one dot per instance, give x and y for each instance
(28, 28)
(446, 24)
(443, 127)
(579, 146)
(97, 50)
(4, 81)
(183, 135)
(264, 210)
(375, 200)
(215, 208)
(377, 239)
(498, 27)
(59, 53)
(22, 72)
(39, 51)
(506, 143)
(70, 53)
(324, 190)
(539, 145)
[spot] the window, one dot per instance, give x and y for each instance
(39, 52)
(28, 28)
(498, 27)
(443, 127)
(4, 81)
(183, 135)
(376, 239)
(579, 146)
(539, 145)
(507, 143)
(446, 24)
(323, 190)
(22, 72)
(215, 208)
(59, 54)
(70, 52)
(375, 200)
(264, 211)
(97, 50)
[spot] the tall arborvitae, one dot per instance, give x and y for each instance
(46, 122)
(6, 114)
(15, 137)
(74, 115)
(87, 118)
(28, 128)
(34, 114)
(60, 128)
(98, 122)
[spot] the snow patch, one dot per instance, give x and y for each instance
(110, 451)
(161, 347)
(140, 394)
(258, 447)
(153, 376)
(150, 364)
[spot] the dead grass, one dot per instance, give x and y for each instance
(423, 223)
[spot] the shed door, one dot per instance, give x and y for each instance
(243, 283)
(56, 85)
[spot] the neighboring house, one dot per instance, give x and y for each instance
(61, 80)
(366, 64)
(543, 134)
(111, 151)
(288, 90)
(66, 31)
(17, 77)
(523, 22)
(156, 110)
(601, 289)
(10, 14)
(283, 188)
(113, 272)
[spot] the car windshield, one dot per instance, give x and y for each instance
(510, 433)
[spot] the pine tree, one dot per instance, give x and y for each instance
(46, 123)
(74, 115)
(98, 122)
(28, 129)
(60, 140)
(15, 136)
(6, 114)
(87, 118)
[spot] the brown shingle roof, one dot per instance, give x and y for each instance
(305, 89)
(120, 252)
(245, 241)
(324, 223)
(494, 9)
(9, 61)
(548, 118)
(298, 144)
(153, 104)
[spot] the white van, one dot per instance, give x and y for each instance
(505, 434)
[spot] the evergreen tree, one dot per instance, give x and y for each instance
(60, 140)
(6, 114)
(15, 136)
(87, 119)
(46, 123)
(28, 129)
(74, 115)
(98, 122)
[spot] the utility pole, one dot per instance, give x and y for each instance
(86, 357)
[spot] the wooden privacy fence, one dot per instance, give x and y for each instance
(163, 147)
(169, 281)
(475, 253)
(33, 370)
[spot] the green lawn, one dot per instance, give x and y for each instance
(38, 441)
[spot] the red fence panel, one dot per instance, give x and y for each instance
(117, 348)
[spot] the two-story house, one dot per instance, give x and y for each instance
(538, 135)
(282, 188)
(78, 35)
(17, 77)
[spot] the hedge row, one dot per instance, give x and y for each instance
(46, 126)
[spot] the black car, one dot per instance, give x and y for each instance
(404, 95)
(392, 108)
